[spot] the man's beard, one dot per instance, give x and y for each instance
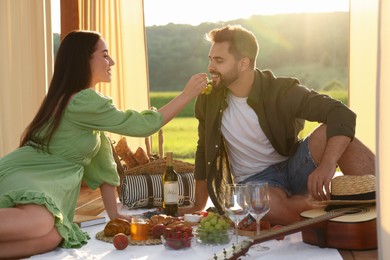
(227, 79)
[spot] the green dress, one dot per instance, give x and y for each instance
(79, 150)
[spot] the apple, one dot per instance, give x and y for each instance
(158, 230)
(120, 241)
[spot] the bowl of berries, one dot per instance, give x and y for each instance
(177, 238)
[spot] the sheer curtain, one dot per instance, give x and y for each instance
(121, 23)
(26, 67)
(25, 48)
(362, 66)
(383, 128)
(370, 94)
(26, 51)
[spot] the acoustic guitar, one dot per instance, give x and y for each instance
(355, 230)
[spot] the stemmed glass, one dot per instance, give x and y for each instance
(236, 204)
(259, 205)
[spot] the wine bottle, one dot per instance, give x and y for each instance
(170, 188)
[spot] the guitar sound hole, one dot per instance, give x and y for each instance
(353, 211)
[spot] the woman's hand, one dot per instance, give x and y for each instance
(122, 216)
(195, 85)
(110, 202)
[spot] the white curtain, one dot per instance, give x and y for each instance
(26, 67)
(26, 51)
(370, 95)
(383, 125)
(362, 67)
(121, 23)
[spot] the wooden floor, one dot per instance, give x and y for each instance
(90, 203)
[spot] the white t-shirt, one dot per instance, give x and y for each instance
(249, 149)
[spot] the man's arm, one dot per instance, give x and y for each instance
(320, 178)
(201, 197)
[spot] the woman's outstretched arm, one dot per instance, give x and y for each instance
(194, 87)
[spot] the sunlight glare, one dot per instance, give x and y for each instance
(196, 12)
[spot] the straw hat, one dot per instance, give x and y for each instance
(352, 190)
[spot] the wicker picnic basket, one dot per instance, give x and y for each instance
(140, 186)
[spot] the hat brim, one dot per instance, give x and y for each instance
(343, 202)
(366, 213)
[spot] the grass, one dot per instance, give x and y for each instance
(181, 136)
(159, 99)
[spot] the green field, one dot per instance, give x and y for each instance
(180, 135)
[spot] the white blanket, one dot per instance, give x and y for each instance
(291, 247)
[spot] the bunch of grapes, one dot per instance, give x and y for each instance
(214, 229)
(208, 88)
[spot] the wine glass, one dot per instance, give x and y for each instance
(236, 204)
(259, 205)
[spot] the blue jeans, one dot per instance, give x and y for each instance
(290, 175)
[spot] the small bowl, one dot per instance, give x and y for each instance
(192, 218)
(177, 243)
(214, 238)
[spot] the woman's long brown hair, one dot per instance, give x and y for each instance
(72, 73)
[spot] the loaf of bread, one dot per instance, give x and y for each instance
(116, 226)
(161, 219)
(125, 153)
(141, 156)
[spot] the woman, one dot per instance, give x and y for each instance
(65, 144)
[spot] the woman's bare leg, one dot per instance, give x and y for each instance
(25, 222)
(26, 230)
(26, 248)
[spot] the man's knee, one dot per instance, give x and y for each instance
(286, 210)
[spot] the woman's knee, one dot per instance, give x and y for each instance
(39, 220)
(51, 240)
(46, 243)
(25, 248)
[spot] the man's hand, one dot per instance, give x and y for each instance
(319, 182)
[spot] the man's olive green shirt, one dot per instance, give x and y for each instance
(282, 106)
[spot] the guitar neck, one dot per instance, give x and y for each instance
(235, 251)
(299, 226)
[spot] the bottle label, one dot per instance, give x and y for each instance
(171, 192)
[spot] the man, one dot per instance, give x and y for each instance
(248, 131)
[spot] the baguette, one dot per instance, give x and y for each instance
(141, 156)
(125, 153)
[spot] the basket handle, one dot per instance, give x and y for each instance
(148, 144)
(160, 141)
(119, 167)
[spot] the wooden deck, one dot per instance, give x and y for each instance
(90, 203)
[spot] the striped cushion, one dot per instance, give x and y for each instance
(145, 190)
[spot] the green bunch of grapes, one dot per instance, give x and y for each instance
(208, 88)
(214, 229)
